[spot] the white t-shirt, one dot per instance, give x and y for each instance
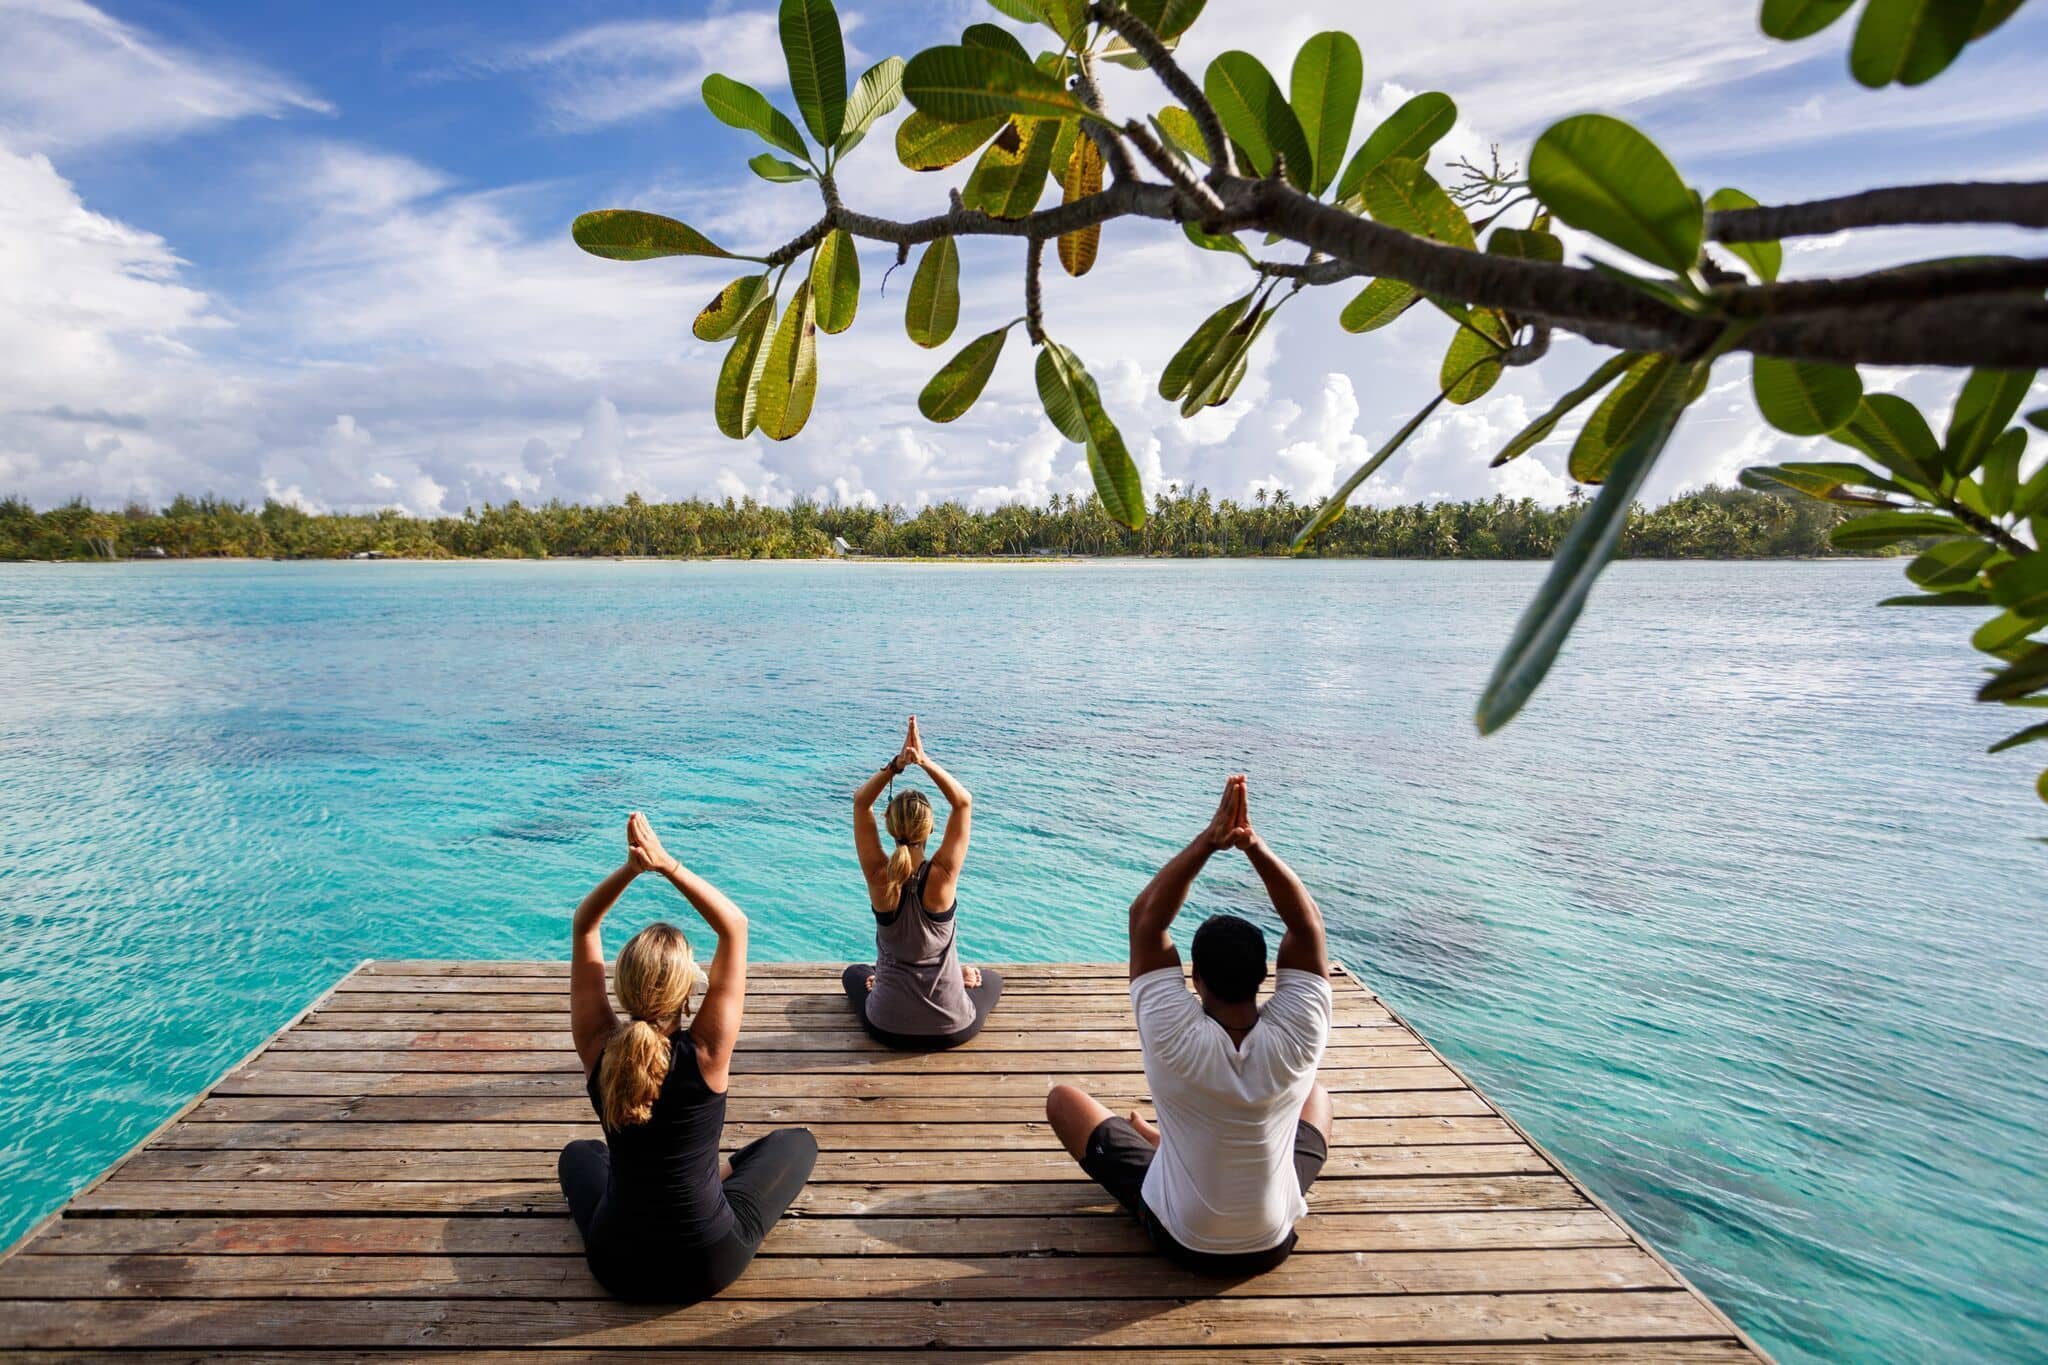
(1223, 1180)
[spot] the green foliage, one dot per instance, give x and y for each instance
(1408, 132)
(742, 106)
(1989, 400)
(776, 171)
(835, 281)
(1765, 258)
(959, 382)
(1081, 177)
(1907, 41)
(1378, 304)
(1329, 73)
(816, 56)
(1537, 431)
(879, 89)
(1639, 403)
(924, 143)
(1789, 20)
(788, 379)
(1601, 175)
(934, 305)
(630, 235)
(1074, 403)
(737, 400)
(1472, 366)
(962, 84)
(1257, 116)
(722, 316)
(1180, 371)
(1401, 194)
(1800, 399)
(1010, 177)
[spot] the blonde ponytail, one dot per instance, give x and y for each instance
(654, 977)
(909, 822)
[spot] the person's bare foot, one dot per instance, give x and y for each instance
(971, 975)
(871, 981)
(1145, 1130)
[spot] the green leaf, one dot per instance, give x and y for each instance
(1525, 245)
(1993, 13)
(1257, 116)
(1939, 599)
(1610, 370)
(835, 281)
(1765, 258)
(2002, 471)
(961, 84)
(1082, 177)
(774, 169)
(1214, 241)
(1378, 304)
(1167, 18)
(1401, 194)
(924, 143)
(723, 315)
(789, 379)
(1323, 88)
(2006, 631)
(1641, 400)
(742, 106)
(1181, 131)
(954, 388)
(1058, 398)
(995, 38)
(1116, 478)
(1891, 431)
(1802, 399)
(1181, 369)
(735, 403)
(1010, 177)
(1066, 18)
(1882, 529)
(1988, 401)
(1951, 565)
(1790, 20)
(879, 89)
(2038, 419)
(817, 67)
(1472, 366)
(2023, 584)
(1408, 132)
(1334, 505)
(1909, 41)
(1023, 11)
(630, 235)
(1212, 382)
(1585, 551)
(934, 306)
(2026, 736)
(2026, 674)
(1599, 174)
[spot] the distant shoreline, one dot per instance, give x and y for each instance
(941, 560)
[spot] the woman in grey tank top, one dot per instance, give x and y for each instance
(916, 994)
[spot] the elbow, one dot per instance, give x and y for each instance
(966, 801)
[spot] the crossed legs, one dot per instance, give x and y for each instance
(1075, 1114)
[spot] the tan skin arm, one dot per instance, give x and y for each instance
(717, 1026)
(1153, 912)
(944, 878)
(867, 840)
(1304, 947)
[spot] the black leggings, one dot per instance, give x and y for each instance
(766, 1175)
(982, 997)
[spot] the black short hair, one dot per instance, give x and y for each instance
(1230, 957)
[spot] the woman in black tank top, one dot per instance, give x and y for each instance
(662, 1218)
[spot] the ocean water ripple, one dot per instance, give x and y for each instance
(1738, 919)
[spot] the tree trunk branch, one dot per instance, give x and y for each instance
(2022, 205)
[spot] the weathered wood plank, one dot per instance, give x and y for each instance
(1719, 1351)
(1321, 1275)
(767, 1017)
(129, 1196)
(819, 983)
(288, 1074)
(865, 1167)
(897, 1324)
(356, 1135)
(1466, 1230)
(841, 1051)
(752, 1109)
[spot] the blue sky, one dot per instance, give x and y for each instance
(320, 252)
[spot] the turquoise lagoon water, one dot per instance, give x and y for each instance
(1739, 919)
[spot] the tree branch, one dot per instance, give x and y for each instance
(1118, 156)
(1174, 77)
(2022, 205)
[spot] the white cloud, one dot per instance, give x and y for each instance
(73, 76)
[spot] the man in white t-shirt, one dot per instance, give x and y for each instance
(1243, 1127)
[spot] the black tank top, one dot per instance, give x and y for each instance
(664, 1172)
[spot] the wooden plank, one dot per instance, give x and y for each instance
(907, 1324)
(130, 1196)
(912, 1166)
(1321, 1275)
(288, 1074)
(361, 1135)
(822, 983)
(767, 1016)
(753, 1109)
(849, 1051)
(1486, 1230)
(1716, 1351)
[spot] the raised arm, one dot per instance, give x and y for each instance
(1303, 947)
(717, 1025)
(591, 1019)
(944, 878)
(1153, 912)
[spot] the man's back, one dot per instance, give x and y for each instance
(1223, 1180)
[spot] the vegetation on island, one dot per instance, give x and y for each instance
(1716, 523)
(1680, 280)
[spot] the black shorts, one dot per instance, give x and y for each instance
(1118, 1156)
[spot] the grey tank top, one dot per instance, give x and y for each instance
(917, 969)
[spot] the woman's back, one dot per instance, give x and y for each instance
(918, 986)
(665, 1171)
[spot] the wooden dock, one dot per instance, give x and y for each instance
(378, 1182)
